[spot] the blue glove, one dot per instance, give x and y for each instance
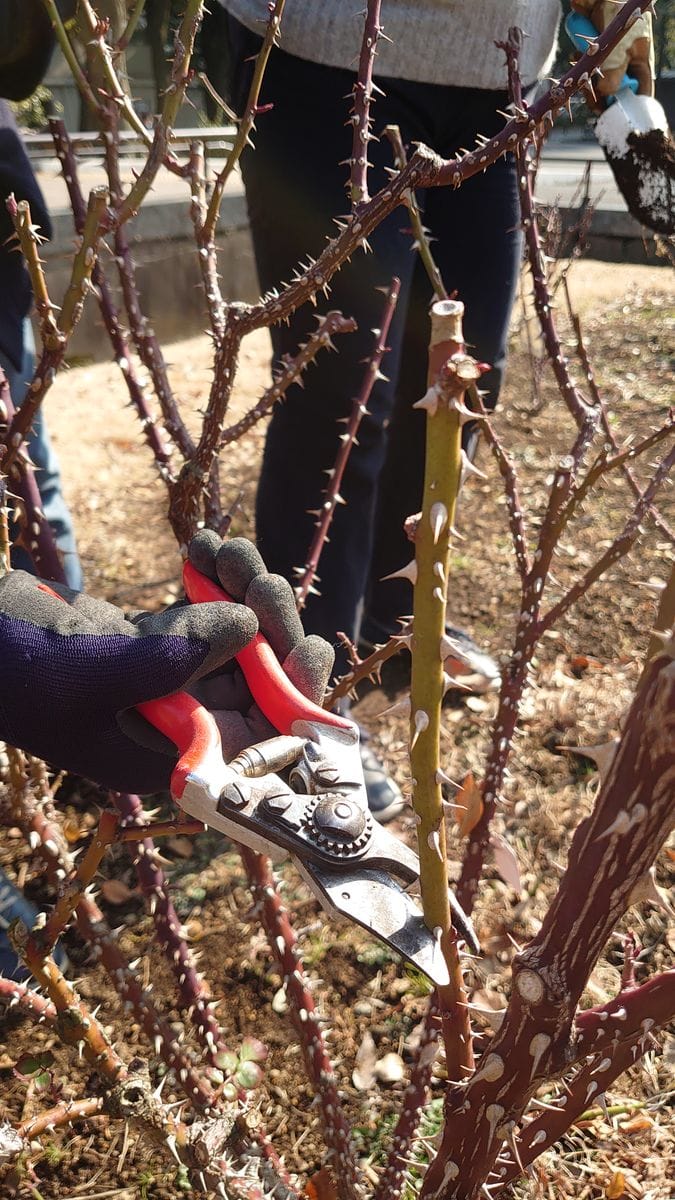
(73, 672)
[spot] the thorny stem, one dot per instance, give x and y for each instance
(619, 548)
(186, 496)
(633, 1012)
(450, 370)
(393, 1177)
(54, 334)
(543, 1131)
(360, 113)
(153, 433)
(29, 240)
(610, 853)
(35, 533)
(83, 263)
(169, 930)
(74, 1020)
(20, 995)
(359, 408)
(282, 939)
(173, 99)
(76, 897)
(247, 122)
(65, 1113)
(420, 235)
(93, 35)
(582, 351)
(532, 624)
(206, 246)
(541, 293)
(609, 1040)
(426, 169)
(367, 668)
(511, 491)
(70, 55)
(291, 372)
(144, 337)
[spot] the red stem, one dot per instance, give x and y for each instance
(359, 409)
(319, 1068)
(360, 114)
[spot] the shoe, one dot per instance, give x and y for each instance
(384, 797)
(467, 663)
(464, 660)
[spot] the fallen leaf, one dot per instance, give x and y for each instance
(635, 1124)
(506, 862)
(468, 805)
(116, 892)
(321, 1186)
(616, 1188)
(363, 1075)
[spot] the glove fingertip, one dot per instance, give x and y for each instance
(238, 562)
(203, 550)
(271, 598)
(309, 666)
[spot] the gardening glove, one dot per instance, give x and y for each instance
(633, 53)
(72, 674)
(237, 567)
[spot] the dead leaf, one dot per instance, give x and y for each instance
(321, 1186)
(616, 1188)
(579, 663)
(363, 1075)
(506, 862)
(634, 1124)
(117, 892)
(468, 805)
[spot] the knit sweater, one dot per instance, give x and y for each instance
(432, 41)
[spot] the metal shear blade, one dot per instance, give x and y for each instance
(351, 864)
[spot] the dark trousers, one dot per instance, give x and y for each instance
(295, 186)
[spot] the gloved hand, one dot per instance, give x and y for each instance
(634, 53)
(72, 672)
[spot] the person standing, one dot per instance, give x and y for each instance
(26, 43)
(443, 81)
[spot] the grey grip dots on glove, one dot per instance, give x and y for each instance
(70, 670)
(238, 568)
(72, 673)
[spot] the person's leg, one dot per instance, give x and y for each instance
(477, 246)
(47, 473)
(295, 186)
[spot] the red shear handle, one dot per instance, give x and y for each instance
(190, 727)
(272, 690)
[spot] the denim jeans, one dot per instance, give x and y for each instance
(47, 472)
(295, 187)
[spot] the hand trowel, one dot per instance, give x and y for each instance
(634, 135)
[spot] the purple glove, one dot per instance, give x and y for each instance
(72, 673)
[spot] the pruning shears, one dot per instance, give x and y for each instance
(319, 816)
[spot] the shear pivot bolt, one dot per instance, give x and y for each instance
(338, 820)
